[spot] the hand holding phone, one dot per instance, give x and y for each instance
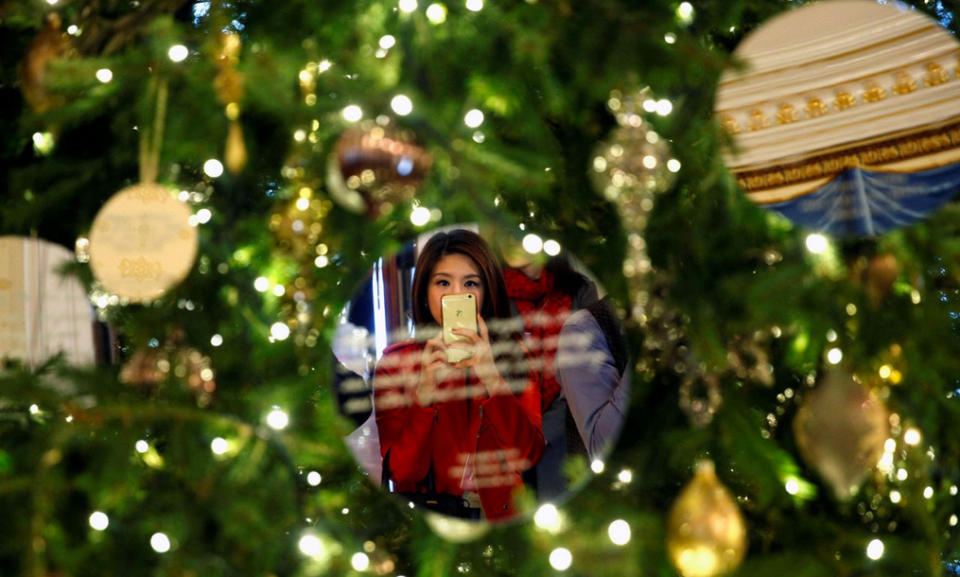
(458, 311)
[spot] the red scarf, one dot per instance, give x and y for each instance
(544, 311)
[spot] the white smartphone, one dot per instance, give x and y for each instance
(458, 311)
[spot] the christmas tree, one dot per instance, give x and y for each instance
(793, 397)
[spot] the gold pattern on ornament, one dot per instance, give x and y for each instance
(933, 141)
(787, 114)
(758, 120)
(730, 124)
(844, 100)
(140, 269)
(815, 107)
(147, 194)
(935, 75)
(904, 83)
(874, 93)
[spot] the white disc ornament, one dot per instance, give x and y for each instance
(142, 243)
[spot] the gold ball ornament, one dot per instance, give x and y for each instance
(374, 167)
(841, 428)
(706, 533)
(142, 243)
(150, 368)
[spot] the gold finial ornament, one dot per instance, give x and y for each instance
(706, 533)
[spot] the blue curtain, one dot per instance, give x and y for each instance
(862, 203)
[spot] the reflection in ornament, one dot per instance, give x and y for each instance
(840, 429)
(373, 167)
(47, 47)
(706, 533)
(455, 530)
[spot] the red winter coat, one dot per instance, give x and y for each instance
(472, 441)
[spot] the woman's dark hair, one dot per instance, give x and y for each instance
(496, 303)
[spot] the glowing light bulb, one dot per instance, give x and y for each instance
(551, 247)
(561, 559)
(619, 532)
(279, 331)
(178, 53)
(314, 478)
(277, 419)
(99, 520)
(104, 75)
(547, 517)
(360, 561)
(407, 6)
(597, 466)
(664, 107)
(474, 5)
(673, 165)
(310, 545)
(817, 243)
(142, 446)
(685, 12)
(670, 38)
(532, 243)
(160, 542)
(875, 549)
(473, 118)
(912, 437)
(401, 104)
(219, 446)
(204, 215)
(420, 215)
(213, 168)
(352, 113)
(895, 497)
(792, 486)
(387, 41)
(437, 13)
(834, 356)
(625, 476)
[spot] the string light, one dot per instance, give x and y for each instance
(352, 113)
(551, 247)
(407, 6)
(670, 38)
(912, 437)
(310, 545)
(213, 168)
(875, 549)
(279, 290)
(664, 107)
(792, 486)
(401, 104)
(547, 518)
(142, 446)
(625, 476)
(816, 243)
(104, 75)
(673, 165)
(34, 409)
(597, 466)
(420, 215)
(160, 542)
(387, 41)
(474, 5)
(314, 478)
(619, 532)
(43, 143)
(277, 419)
(895, 496)
(685, 12)
(532, 243)
(360, 561)
(437, 13)
(473, 118)
(279, 331)
(834, 356)
(178, 53)
(99, 520)
(561, 559)
(928, 492)
(219, 446)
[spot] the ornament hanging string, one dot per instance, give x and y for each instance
(151, 139)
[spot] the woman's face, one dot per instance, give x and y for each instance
(454, 274)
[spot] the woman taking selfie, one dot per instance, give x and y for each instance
(459, 421)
